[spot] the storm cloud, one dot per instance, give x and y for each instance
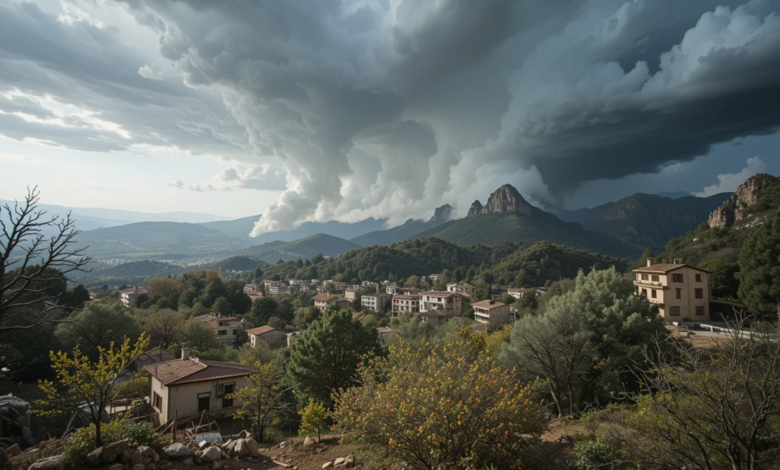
(387, 109)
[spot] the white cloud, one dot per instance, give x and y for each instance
(258, 177)
(147, 72)
(728, 183)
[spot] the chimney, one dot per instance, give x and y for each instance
(678, 261)
(492, 302)
(185, 354)
(649, 261)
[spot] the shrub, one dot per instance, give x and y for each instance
(82, 442)
(141, 433)
(599, 454)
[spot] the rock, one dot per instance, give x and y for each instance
(244, 434)
(148, 455)
(327, 465)
(216, 466)
(442, 213)
(112, 451)
(117, 466)
(506, 199)
(241, 448)
(197, 460)
(252, 444)
(188, 462)
(177, 451)
(124, 457)
(136, 458)
(339, 462)
(212, 454)
(94, 457)
(350, 460)
(13, 450)
(475, 208)
(151, 466)
(746, 195)
(139, 466)
(56, 462)
(309, 441)
(3, 457)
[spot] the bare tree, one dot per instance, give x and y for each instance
(706, 408)
(31, 259)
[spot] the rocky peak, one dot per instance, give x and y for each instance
(506, 199)
(442, 213)
(746, 195)
(476, 207)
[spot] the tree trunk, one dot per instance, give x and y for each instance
(98, 437)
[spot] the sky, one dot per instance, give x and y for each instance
(349, 109)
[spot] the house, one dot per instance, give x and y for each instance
(679, 291)
(152, 357)
(491, 310)
(255, 296)
(342, 303)
(384, 333)
(277, 290)
(250, 288)
(518, 293)
(392, 289)
(373, 285)
(405, 303)
(268, 284)
(321, 301)
(186, 387)
(448, 302)
(434, 277)
(463, 288)
(351, 293)
(129, 296)
(376, 302)
(410, 290)
(434, 316)
(270, 335)
(227, 327)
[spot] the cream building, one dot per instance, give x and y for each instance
(450, 303)
(376, 302)
(491, 310)
(680, 291)
(227, 327)
(186, 387)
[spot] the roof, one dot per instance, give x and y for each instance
(406, 297)
(434, 293)
(261, 330)
(487, 305)
(153, 357)
(321, 297)
(209, 317)
(184, 371)
(134, 290)
(665, 268)
(464, 284)
(378, 294)
(352, 289)
(384, 329)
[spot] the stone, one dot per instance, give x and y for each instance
(177, 450)
(327, 465)
(56, 462)
(339, 462)
(112, 451)
(13, 450)
(252, 444)
(475, 209)
(216, 466)
(151, 466)
(241, 448)
(124, 457)
(188, 462)
(212, 454)
(197, 460)
(350, 460)
(746, 195)
(117, 466)
(93, 458)
(244, 434)
(309, 441)
(139, 466)
(442, 213)
(148, 454)
(136, 458)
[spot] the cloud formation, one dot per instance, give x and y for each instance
(387, 109)
(728, 183)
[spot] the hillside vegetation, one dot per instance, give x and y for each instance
(306, 248)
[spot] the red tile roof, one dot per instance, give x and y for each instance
(487, 305)
(321, 297)
(434, 293)
(183, 371)
(665, 268)
(261, 330)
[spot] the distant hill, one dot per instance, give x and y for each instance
(515, 263)
(159, 240)
(305, 248)
(508, 217)
(235, 264)
(650, 221)
(405, 231)
(241, 228)
(722, 234)
(238, 228)
(145, 268)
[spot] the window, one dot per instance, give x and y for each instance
(699, 293)
(644, 292)
(222, 332)
(677, 278)
(700, 310)
(678, 293)
(644, 277)
(698, 277)
(656, 278)
(157, 401)
(674, 311)
(228, 402)
(654, 294)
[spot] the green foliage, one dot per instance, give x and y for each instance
(82, 442)
(136, 387)
(723, 282)
(97, 326)
(314, 418)
(263, 399)
(599, 454)
(759, 263)
(325, 358)
(198, 335)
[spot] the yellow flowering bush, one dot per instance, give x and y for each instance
(442, 406)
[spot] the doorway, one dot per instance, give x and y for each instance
(204, 403)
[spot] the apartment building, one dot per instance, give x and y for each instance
(392, 289)
(129, 296)
(491, 310)
(679, 291)
(227, 327)
(321, 301)
(448, 302)
(351, 293)
(376, 302)
(405, 303)
(463, 288)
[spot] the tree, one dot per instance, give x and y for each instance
(163, 327)
(723, 282)
(165, 287)
(528, 303)
(263, 309)
(88, 382)
(508, 299)
(314, 418)
(221, 305)
(759, 268)
(97, 326)
(445, 406)
(412, 281)
(325, 358)
(705, 408)
(262, 400)
(198, 335)
(35, 249)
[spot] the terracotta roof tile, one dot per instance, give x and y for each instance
(487, 305)
(261, 330)
(665, 268)
(181, 371)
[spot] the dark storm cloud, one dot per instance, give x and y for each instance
(390, 108)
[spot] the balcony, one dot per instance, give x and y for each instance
(655, 301)
(648, 283)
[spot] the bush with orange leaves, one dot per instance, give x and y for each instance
(445, 406)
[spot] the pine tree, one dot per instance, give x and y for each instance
(759, 262)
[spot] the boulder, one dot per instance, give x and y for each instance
(212, 454)
(339, 462)
(112, 451)
(309, 441)
(241, 448)
(94, 457)
(188, 462)
(327, 465)
(3, 457)
(216, 466)
(124, 457)
(252, 444)
(350, 461)
(177, 451)
(148, 455)
(56, 462)
(139, 466)
(117, 466)
(13, 450)
(136, 458)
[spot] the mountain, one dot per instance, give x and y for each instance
(159, 240)
(237, 228)
(650, 221)
(143, 269)
(305, 248)
(673, 194)
(728, 225)
(517, 263)
(235, 264)
(241, 228)
(508, 217)
(405, 231)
